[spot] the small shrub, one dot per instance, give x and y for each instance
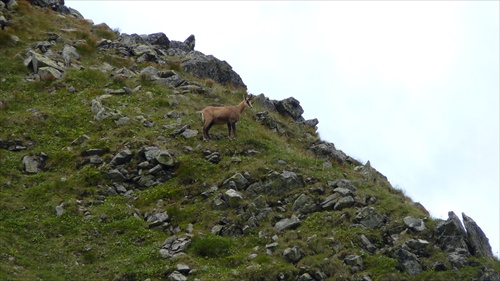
(174, 65)
(212, 246)
(209, 82)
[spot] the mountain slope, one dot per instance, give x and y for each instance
(105, 175)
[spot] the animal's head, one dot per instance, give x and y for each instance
(248, 99)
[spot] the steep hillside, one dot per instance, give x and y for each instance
(105, 174)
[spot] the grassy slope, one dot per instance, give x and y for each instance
(112, 244)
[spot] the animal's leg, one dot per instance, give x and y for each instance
(234, 129)
(206, 128)
(229, 130)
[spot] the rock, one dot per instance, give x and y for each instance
(414, 223)
(459, 258)
(47, 72)
(237, 181)
(369, 218)
(355, 261)
(293, 255)
(479, 243)
(202, 66)
(451, 234)
(34, 164)
(344, 202)
(305, 205)
(174, 245)
(419, 247)
(122, 157)
(276, 184)
(290, 107)
(177, 276)
(165, 159)
(219, 202)
(35, 61)
(311, 123)
(365, 243)
(158, 39)
(330, 201)
(190, 42)
(183, 268)
(60, 210)
(188, 134)
(488, 274)
(328, 150)
(345, 184)
(80, 140)
(115, 175)
(213, 158)
(68, 53)
(285, 224)
(233, 198)
(408, 260)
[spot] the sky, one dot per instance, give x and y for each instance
(411, 86)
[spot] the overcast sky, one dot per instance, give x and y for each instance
(411, 86)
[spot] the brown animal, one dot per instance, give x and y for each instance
(224, 115)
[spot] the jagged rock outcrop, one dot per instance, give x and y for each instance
(203, 66)
(478, 242)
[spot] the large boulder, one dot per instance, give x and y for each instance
(478, 241)
(451, 234)
(210, 67)
(290, 107)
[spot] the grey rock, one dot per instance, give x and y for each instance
(293, 254)
(329, 151)
(219, 202)
(115, 175)
(177, 276)
(419, 247)
(344, 184)
(34, 164)
(202, 66)
(237, 180)
(165, 159)
(190, 42)
(369, 218)
(69, 53)
(330, 201)
(188, 134)
(47, 72)
(451, 234)
(355, 261)
(290, 107)
(233, 198)
(60, 210)
(478, 241)
(35, 61)
(367, 244)
(80, 140)
(285, 224)
(408, 260)
(414, 224)
(183, 268)
(122, 157)
(344, 202)
(174, 245)
(158, 39)
(459, 258)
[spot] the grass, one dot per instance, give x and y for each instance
(113, 244)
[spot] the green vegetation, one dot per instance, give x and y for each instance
(106, 237)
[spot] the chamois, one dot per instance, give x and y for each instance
(224, 115)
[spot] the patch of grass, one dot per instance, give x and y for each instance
(212, 246)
